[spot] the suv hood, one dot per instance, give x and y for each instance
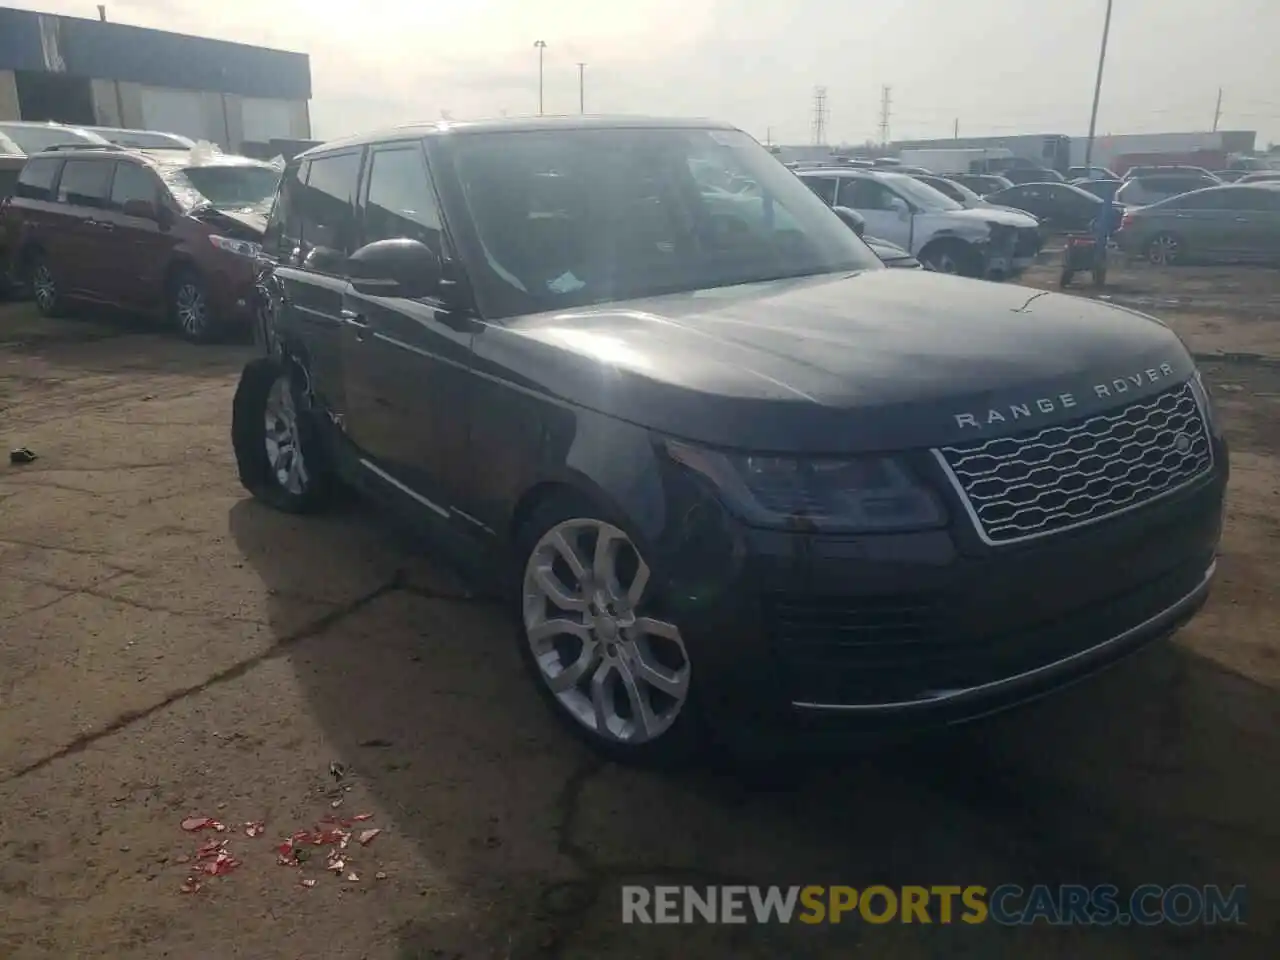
(878, 360)
(997, 214)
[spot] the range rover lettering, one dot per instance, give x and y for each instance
(741, 483)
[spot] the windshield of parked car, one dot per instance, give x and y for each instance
(921, 194)
(570, 217)
(34, 139)
(224, 186)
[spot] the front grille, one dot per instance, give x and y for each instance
(1035, 484)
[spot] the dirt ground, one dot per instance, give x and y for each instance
(169, 649)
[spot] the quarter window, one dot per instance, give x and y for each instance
(85, 183)
(35, 182)
(401, 202)
(282, 233)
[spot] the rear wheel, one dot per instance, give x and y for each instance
(45, 288)
(278, 454)
(611, 666)
(1165, 249)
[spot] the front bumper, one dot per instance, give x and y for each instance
(231, 286)
(811, 637)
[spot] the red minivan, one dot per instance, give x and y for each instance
(170, 233)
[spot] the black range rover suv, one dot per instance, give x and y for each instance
(739, 478)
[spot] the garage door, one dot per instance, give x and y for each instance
(264, 119)
(175, 111)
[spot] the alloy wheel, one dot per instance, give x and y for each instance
(191, 308)
(942, 262)
(1163, 250)
(621, 674)
(284, 452)
(44, 288)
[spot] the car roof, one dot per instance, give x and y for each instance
(87, 134)
(516, 125)
(156, 158)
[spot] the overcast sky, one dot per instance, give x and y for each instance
(996, 66)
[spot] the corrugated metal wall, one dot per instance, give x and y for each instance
(113, 51)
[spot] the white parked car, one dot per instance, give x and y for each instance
(938, 231)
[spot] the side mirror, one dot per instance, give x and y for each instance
(901, 208)
(395, 268)
(142, 209)
(852, 219)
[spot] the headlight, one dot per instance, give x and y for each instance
(244, 248)
(873, 494)
(1205, 399)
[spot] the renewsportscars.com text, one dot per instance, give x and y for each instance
(1008, 904)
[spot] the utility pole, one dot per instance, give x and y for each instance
(102, 12)
(582, 95)
(884, 116)
(1217, 111)
(955, 129)
(1097, 90)
(768, 136)
(541, 46)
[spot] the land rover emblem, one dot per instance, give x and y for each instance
(1182, 443)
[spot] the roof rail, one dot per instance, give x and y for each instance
(77, 145)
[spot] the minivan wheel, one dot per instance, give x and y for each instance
(950, 256)
(602, 654)
(44, 288)
(189, 307)
(278, 455)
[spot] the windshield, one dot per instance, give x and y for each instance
(35, 139)
(921, 194)
(570, 217)
(225, 186)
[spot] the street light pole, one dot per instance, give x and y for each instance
(1097, 91)
(542, 47)
(582, 96)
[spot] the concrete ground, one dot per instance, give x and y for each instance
(170, 649)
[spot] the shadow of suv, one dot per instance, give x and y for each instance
(171, 232)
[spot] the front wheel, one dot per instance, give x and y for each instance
(189, 307)
(595, 640)
(278, 454)
(951, 256)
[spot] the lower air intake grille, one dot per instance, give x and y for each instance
(1035, 484)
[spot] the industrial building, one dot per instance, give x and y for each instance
(92, 72)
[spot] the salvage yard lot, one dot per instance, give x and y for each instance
(170, 649)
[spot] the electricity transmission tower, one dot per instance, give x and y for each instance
(884, 116)
(819, 116)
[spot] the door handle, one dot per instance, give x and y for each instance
(1242, 219)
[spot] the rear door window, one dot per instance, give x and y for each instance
(326, 211)
(35, 182)
(85, 183)
(823, 187)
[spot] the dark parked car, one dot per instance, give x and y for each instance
(1229, 176)
(1018, 175)
(1091, 173)
(170, 232)
(737, 479)
(1170, 169)
(982, 183)
(1261, 176)
(1140, 191)
(1236, 222)
(1059, 206)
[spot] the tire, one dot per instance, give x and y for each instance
(45, 290)
(1100, 277)
(1165, 250)
(1064, 280)
(612, 665)
(189, 308)
(951, 256)
(278, 453)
